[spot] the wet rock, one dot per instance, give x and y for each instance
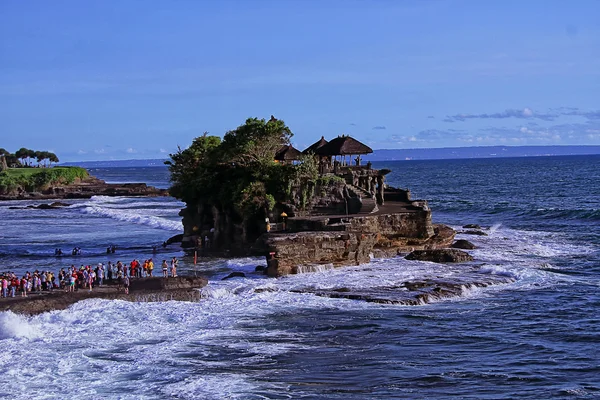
(50, 206)
(175, 239)
(58, 204)
(472, 226)
(477, 233)
(440, 256)
(260, 268)
(463, 244)
(234, 275)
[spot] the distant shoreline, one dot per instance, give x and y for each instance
(446, 153)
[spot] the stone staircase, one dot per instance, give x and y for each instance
(369, 205)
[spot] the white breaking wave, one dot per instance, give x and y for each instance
(13, 326)
(129, 215)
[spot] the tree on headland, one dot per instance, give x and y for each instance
(23, 154)
(52, 158)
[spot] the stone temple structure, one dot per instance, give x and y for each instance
(356, 218)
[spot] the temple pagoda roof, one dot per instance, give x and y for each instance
(288, 153)
(315, 146)
(343, 145)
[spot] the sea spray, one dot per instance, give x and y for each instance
(13, 326)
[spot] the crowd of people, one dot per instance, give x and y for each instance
(85, 277)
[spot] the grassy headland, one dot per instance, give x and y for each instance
(37, 179)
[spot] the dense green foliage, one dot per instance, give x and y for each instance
(35, 179)
(239, 175)
(24, 156)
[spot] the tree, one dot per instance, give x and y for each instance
(235, 180)
(256, 141)
(53, 158)
(31, 154)
(40, 156)
(22, 154)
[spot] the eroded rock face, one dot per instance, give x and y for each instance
(463, 244)
(290, 251)
(440, 256)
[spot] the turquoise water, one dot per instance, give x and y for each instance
(259, 338)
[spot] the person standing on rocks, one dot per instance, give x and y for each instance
(174, 267)
(126, 284)
(165, 269)
(150, 268)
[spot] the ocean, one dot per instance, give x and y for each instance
(537, 337)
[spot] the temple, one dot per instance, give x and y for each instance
(331, 208)
(353, 217)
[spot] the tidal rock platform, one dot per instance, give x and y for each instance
(141, 290)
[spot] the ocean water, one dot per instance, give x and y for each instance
(537, 337)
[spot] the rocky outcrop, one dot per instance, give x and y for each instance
(141, 290)
(463, 244)
(87, 188)
(440, 256)
(415, 292)
(44, 206)
(380, 236)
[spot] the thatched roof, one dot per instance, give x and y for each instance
(343, 145)
(315, 146)
(287, 153)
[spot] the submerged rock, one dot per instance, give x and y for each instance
(440, 256)
(477, 233)
(463, 244)
(235, 275)
(472, 226)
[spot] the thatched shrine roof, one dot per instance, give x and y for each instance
(315, 146)
(287, 153)
(343, 145)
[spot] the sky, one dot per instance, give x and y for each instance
(97, 80)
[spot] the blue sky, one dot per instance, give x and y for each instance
(133, 79)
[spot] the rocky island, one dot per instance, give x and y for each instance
(254, 194)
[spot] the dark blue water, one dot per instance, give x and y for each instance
(536, 338)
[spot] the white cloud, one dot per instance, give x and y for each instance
(81, 151)
(99, 151)
(131, 150)
(163, 151)
(527, 112)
